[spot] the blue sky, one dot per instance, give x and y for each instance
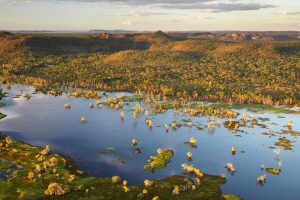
(166, 15)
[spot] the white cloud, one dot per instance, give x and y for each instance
(213, 5)
(139, 14)
(127, 23)
(283, 12)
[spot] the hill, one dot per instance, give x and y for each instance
(266, 72)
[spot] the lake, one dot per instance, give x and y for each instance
(42, 120)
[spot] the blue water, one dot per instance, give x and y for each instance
(43, 120)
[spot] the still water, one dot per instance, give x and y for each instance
(43, 120)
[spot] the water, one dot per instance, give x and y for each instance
(43, 120)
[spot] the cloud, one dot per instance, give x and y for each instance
(139, 14)
(203, 18)
(205, 5)
(220, 6)
(283, 12)
(127, 23)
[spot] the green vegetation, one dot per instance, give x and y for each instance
(34, 173)
(2, 115)
(157, 64)
(160, 160)
(257, 108)
(283, 142)
(273, 171)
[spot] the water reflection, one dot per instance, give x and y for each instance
(43, 120)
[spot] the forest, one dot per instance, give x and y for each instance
(157, 64)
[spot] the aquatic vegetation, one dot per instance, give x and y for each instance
(232, 125)
(192, 170)
(211, 111)
(88, 94)
(134, 142)
(233, 150)
(114, 102)
(245, 116)
(2, 116)
(160, 160)
(189, 155)
(67, 106)
(98, 103)
(290, 125)
(230, 167)
(149, 122)
(261, 179)
(166, 126)
(55, 92)
(292, 132)
(273, 171)
(283, 142)
(137, 110)
(137, 151)
(264, 119)
(91, 105)
(193, 140)
(211, 123)
(83, 120)
(174, 126)
(110, 149)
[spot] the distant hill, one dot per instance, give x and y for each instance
(240, 35)
(220, 35)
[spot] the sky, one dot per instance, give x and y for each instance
(150, 15)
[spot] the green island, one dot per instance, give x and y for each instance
(160, 160)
